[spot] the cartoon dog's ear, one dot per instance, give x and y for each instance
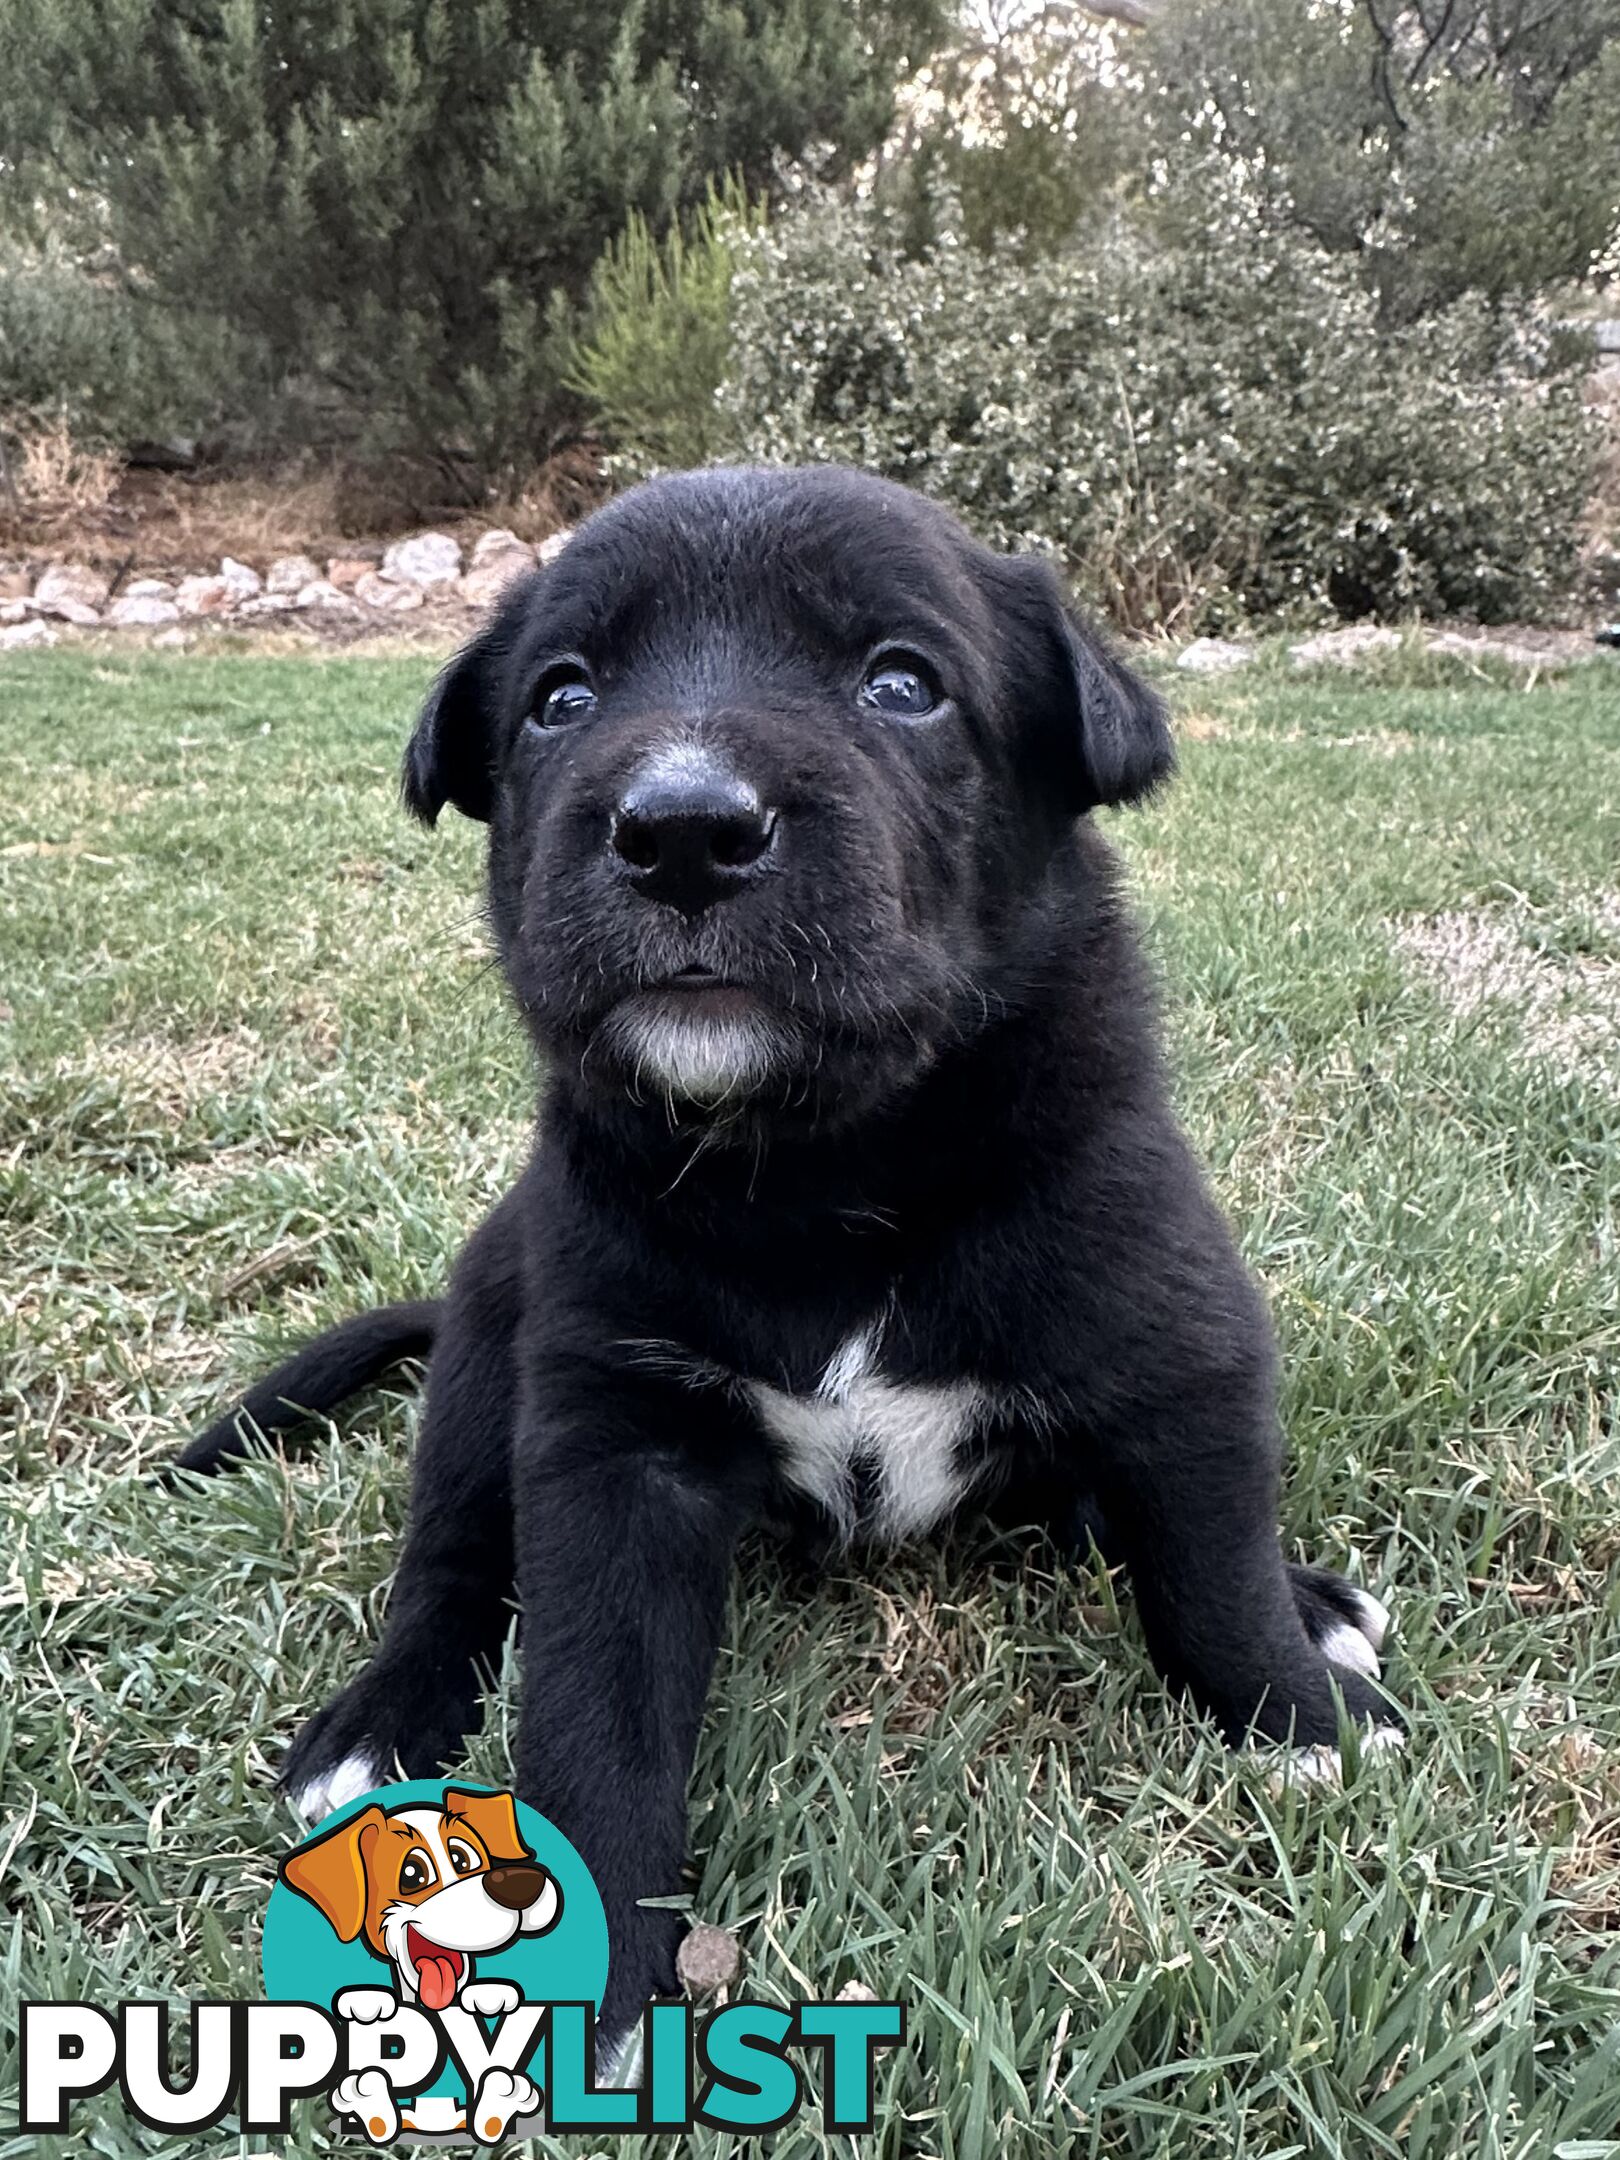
(331, 1871)
(493, 1816)
(450, 756)
(1112, 730)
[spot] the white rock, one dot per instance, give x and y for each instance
(290, 574)
(16, 635)
(15, 611)
(554, 543)
(137, 611)
(148, 588)
(1490, 648)
(427, 559)
(203, 596)
(270, 603)
(383, 592)
(321, 592)
(68, 611)
(172, 638)
(244, 581)
(498, 541)
(72, 585)
(487, 580)
(1343, 648)
(1214, 656)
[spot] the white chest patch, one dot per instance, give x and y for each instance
(906, 1437)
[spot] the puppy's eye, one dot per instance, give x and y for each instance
(462, 1857)
(416, 1871)
(562, 698)
(902, 686)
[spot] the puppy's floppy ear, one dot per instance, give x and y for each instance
(493, 1816)
(331, 1871)
(1112, 731)
(450, 757)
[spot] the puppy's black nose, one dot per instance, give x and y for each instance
(515, 1885)
(690, 832)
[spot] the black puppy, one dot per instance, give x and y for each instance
(856, 1195)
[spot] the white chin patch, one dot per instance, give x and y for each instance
(698, 1060)
(335, 1788)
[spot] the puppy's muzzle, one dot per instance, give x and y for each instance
(690, 832)
(515, 1886)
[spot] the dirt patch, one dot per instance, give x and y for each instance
(1488, 968)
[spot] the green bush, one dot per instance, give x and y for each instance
(382, 216)
(1203, 430)
(71, 348)
(652, 348)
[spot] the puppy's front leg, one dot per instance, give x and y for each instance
(630, 1497)
(1179, 1403)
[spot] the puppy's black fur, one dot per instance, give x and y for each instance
(856, 1196)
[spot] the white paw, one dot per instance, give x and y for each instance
(1353, 1645)
(1324, 1765)
(363, 2005)
(489, 1998)
(369, 2098)
(503, 2095)
(335, 1788)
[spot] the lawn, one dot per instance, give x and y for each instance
(257, 1072)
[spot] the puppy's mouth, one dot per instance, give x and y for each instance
(701, 993)
(438, 1970)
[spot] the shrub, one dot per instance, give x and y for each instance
(382, 215)
(652, 348)
(1206, 429)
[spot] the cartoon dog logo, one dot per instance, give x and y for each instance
(428, 1889)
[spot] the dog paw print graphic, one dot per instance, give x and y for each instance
(437, 1918)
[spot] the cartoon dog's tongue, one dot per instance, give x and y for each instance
(437, 1971)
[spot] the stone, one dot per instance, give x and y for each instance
(15, 611)
(72, 584)
(172, 638)
(244, 581)
(346, 571)
(203, 596)
(68, 611)
(487, 580)
(148, 588)
(1343, 648)
(270, 603)
(382, 592)
(1214, 656)
(498, 541)
(708, 1959)
(322, 593)
(290, 574)
(17, 635)
(1488, 647)
(428, 559)
(554, 543)
(140, 611)
(15, 583)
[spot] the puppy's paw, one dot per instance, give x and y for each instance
(368, 2097)
(1347, 1625)
(1324, 1765)
(328, 1790)
(503, 2097)
(489, 1998)
(364, 2005)
(397, 1720)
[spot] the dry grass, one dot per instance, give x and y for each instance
(48, 478)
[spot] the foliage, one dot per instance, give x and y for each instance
(652, 347)
(388, 209)
(258, 1075)
(1448, 146)
(72, 349)
(1209, 428)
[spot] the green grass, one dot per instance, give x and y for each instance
(250, 1016)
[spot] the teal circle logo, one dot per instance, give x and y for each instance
(435, 1895)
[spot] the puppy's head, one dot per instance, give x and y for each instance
(427, 1887)
(777, 765)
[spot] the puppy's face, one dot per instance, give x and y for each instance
(776, 766)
